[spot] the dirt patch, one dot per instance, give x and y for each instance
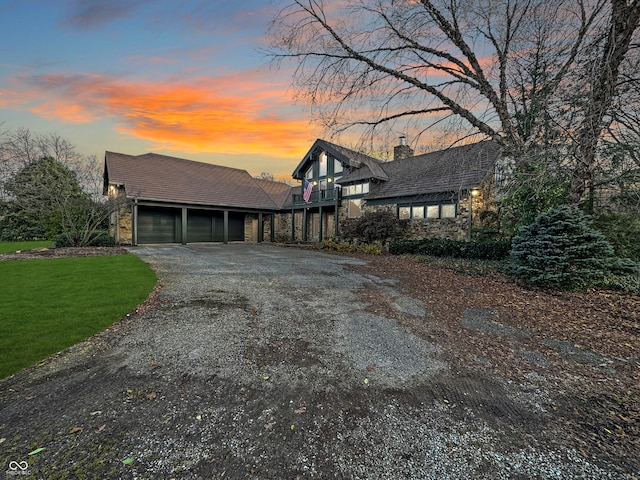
(253, 361)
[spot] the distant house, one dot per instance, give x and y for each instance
(171, 200)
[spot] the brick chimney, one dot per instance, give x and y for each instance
(403, 150)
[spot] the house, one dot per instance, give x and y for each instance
(162, 199)
(435, 192)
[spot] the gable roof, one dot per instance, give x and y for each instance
(449, 170)
(169, 179)
(347, 156)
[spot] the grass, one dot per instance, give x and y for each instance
(48, 305)
(8, 247)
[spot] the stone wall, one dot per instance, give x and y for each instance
(282, 227)
(452, 228)
(121, 218)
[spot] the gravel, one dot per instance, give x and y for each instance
(262, 362)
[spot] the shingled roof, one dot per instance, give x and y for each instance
(449, 170)
(168, 179)
(279, 192)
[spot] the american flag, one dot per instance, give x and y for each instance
(308, 188)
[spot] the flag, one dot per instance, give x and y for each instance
(307, 189)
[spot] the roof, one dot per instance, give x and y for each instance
(345, 155)
(162, 178)
(449, 170)
(280, 192)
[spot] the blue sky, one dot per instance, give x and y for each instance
(179, 77)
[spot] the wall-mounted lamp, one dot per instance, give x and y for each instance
(475, 192)
(315, 182)
(329, 180)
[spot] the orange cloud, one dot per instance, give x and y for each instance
(239, 113)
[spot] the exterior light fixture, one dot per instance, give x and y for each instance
(329, 180)
(475, 192)
(315, 182)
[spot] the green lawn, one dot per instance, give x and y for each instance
(8, 247)
(47, 305)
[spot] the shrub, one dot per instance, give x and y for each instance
(351, 247)
(372, 227)
(98, 239)
(436, 247)
(562, 249)
(623, 232)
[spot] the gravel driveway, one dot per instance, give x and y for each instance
(262, 362)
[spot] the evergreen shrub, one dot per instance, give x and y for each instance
(562, 249)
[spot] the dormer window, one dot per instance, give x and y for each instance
(357, 189)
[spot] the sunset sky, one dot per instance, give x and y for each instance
(179, 77)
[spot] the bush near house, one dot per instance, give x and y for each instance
(561, 249)
(377, 226)
(436, 247)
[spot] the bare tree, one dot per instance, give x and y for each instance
(500, 69)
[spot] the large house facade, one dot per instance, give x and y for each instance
(161, 199)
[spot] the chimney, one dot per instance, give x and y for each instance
(403, 150)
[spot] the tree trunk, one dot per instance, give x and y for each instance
(625, 16)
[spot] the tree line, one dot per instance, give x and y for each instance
(49, 191)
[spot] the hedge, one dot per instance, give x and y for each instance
(485, 250)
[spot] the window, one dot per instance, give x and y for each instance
(337, 166)
(354, 208)
(448, 210)
(309, 174)
(357, 189)
(323, 165)
(433, 211)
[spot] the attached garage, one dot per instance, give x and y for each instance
(165, 199)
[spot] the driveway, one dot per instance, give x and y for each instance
(263, 362)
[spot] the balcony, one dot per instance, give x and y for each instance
(318, 198)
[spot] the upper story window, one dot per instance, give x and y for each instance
(337, 167)
(357, 189)
(322, 165)
(309, 174)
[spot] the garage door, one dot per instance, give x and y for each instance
(159, 225)
(205, 226)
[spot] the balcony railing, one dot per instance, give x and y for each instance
(318, 197)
